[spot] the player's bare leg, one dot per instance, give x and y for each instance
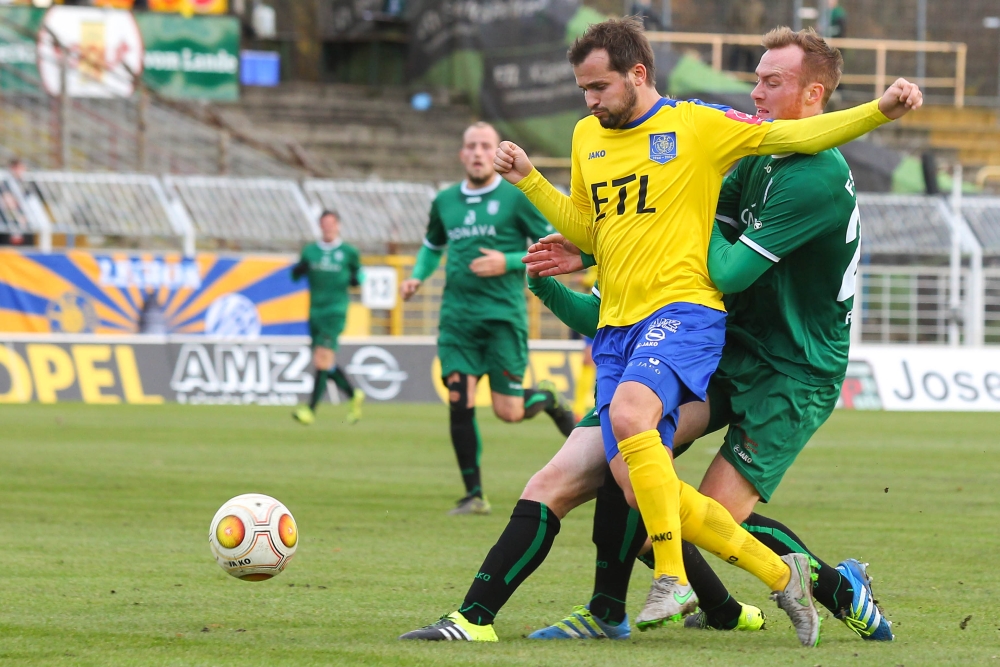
(571, 478)
(545, 397)
(323, 360)
(573, 475)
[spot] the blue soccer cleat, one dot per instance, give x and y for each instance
(581, 624)
(864, 617)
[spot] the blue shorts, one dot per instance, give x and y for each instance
(674, 352)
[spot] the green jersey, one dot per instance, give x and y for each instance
(497, 217)
(330, 268)
(800, 212)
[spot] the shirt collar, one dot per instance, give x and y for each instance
(470, 192)
(329, 246)
(646, 116)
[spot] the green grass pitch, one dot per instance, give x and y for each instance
(104, 514)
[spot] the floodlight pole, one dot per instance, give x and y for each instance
(797, 15)
(921, 36)
(63, 108)
(955, 263)
(666, 15)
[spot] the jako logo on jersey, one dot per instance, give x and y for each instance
(470, 218)
(493, 207)
(663, 147)
(596, 154)
(665, 323)
(733, 114)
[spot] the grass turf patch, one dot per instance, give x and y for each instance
(105, 513)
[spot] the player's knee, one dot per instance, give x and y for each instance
(458, 396)
(551, 486)
(626, 421)
(510, 413)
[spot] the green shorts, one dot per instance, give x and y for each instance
(496, 348)
(770, 416)
(592, 419)
(326, 330)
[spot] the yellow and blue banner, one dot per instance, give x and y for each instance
(161, 293)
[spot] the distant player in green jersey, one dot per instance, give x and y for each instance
(486, 223)
(331, 267)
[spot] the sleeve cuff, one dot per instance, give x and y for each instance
(759, 249)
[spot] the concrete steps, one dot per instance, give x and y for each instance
(971, 136)
(359, 132)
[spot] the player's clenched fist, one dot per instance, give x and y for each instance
(511, 162)
(900, 97)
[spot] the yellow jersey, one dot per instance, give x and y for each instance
(642, 198)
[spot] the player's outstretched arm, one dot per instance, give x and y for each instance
(580, 312)
(513, 164)
(819, 133)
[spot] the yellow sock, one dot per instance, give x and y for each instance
(657, 491)
(707, 524)
(584, 394)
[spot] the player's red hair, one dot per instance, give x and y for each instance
(821, 63)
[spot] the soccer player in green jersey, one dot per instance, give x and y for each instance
(331, 267)
(485, 222)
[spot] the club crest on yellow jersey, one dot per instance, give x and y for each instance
(662, 147)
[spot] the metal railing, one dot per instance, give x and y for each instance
(879, 79)
(905, 304)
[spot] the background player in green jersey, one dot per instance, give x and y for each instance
(331, 267)
(485, 222)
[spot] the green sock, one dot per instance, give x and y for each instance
(343, 384)
(319, 388)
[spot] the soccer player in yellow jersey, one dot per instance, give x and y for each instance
(645, 183)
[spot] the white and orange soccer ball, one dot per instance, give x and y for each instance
(253, 537)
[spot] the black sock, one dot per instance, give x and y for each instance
(536, 400)
(618, 535)
(343, 384)
(722, 611)
(832, 589)
(522, 547)
(465, 440)
(319, 388)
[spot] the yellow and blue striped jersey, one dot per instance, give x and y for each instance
(643, 197)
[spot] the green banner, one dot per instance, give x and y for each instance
(18, 26)
(195, 58)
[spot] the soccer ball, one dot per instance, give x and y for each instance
(253, 537)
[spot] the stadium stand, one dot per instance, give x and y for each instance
(119, 205)
(983, 215)
(257, 213)
(376, 214)
(903, 225)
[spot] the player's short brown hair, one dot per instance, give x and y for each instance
(821, 63)
(625, 42)
(482, 125)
